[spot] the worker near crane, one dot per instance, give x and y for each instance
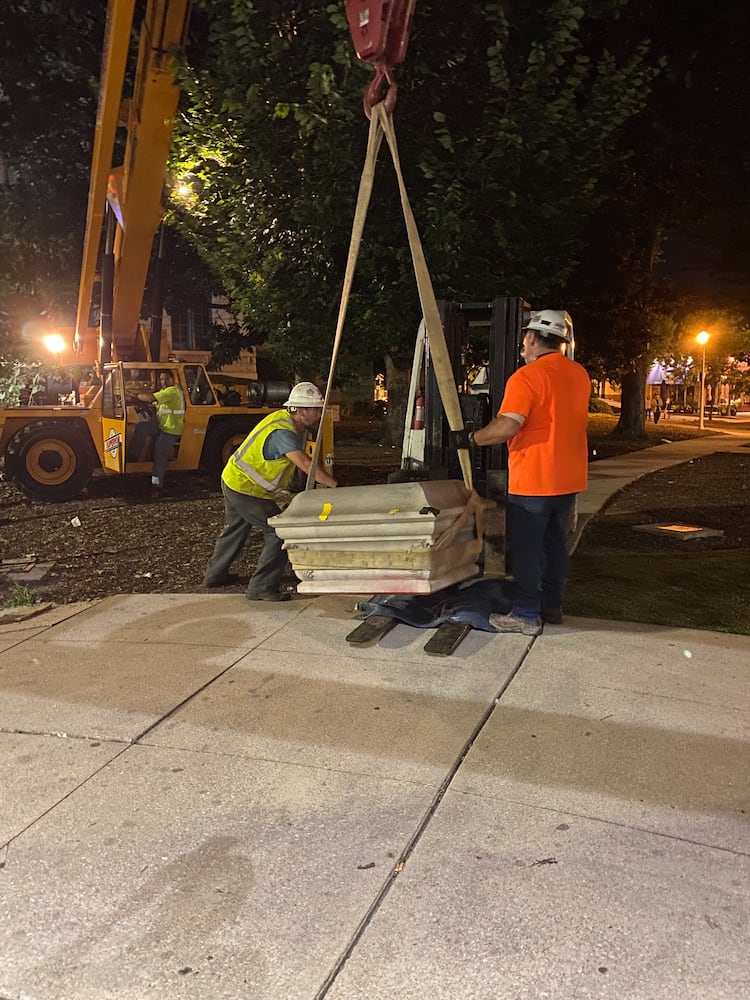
(165, 424)
(254, 481)
(543, 417)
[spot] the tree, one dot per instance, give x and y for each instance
(679, 170)
(622, 308)
(506, 116)
(49, 62)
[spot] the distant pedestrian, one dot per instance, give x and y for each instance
(657, 410)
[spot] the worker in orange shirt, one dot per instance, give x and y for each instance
(543, 417)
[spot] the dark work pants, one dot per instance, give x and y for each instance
(162, 453)
(163, 446)
(142, 431)
(537, 539)
(242, 513)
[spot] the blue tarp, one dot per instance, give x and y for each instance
(472, 601)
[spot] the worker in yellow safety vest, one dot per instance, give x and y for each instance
(254, 477)
(165, 424)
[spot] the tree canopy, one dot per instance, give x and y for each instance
(507, 116)
(678, 171)
(549, 150)
(49, 66)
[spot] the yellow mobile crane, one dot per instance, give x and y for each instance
(51, 451)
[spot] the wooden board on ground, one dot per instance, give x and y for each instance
(447, 638)
(371, 630)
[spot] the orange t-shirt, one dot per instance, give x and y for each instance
(548, 456)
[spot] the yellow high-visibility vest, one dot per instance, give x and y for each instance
(247, 471)
(170, 409)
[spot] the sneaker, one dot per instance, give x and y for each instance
(268, 595)
(552, 616)
(224, 581)
(512, 623)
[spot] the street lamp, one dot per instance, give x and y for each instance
(702, 339)
(55, 345)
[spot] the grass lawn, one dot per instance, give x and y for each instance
(627, 575)
(603, 445)
(706, 590)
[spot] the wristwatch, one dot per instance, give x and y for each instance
(471, 437)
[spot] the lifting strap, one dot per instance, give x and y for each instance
(381, 124)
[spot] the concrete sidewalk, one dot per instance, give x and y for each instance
(205, 798)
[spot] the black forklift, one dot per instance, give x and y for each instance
(484, 344)
(484, 341)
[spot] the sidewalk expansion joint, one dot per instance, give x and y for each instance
(421, 828)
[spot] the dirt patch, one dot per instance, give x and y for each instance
(621, 574)
(127, 543)
(711, 492)
(114, 539)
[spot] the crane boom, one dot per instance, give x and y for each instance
(134, 189)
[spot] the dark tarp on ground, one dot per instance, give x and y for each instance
(472, 601)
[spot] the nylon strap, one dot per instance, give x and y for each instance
(435, 337)
(374, 140)
(381, 123)
(474, 505)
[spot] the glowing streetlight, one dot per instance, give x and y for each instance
(703, 339)
(184, 191)
(55, 344)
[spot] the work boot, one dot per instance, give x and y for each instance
(267, 595)
(512, 623)
(224, 581)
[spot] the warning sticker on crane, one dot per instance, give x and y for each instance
(113, 442)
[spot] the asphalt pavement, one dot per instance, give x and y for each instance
(204, 797)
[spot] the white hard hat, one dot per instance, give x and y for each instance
(550, 323)
(305, 394)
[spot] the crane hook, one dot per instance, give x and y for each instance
(373, 94)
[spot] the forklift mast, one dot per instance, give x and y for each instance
(491, 333)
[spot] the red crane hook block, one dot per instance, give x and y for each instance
(380, 32)
(399, 30)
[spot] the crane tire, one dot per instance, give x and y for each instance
(49, 460)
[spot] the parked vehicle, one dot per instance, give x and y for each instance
(52, 450)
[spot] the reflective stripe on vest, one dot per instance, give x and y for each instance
(247, 471)
(170, 413)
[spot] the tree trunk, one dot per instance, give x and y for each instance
(633, 411)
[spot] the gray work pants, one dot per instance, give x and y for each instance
(163, 445)
(242, 513)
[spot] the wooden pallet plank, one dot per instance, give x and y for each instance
(371, 630)
(447, 638)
